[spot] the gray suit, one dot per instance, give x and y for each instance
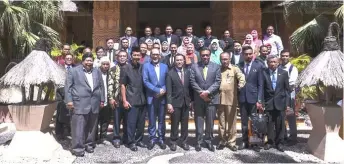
(86, 106)
(202, 108)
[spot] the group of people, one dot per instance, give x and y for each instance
(159, 76)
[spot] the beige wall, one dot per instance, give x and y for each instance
(177, 17)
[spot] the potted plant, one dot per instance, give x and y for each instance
(32, 115)
(326, 70)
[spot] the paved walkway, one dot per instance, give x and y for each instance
(106, 153)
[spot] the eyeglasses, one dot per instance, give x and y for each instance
(155, 54)
(68, 58)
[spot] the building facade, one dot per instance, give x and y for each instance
(99, 20)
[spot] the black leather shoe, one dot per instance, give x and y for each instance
(243, 145)
(198, 147)
(267, 146)
(185, 146)
(141, 144)
(162, 145)
(173, 147)
(133, 147)
(116, 144)
(89, 150)
(78, 154)
(211, 147)
(256, 148)
(280, 148)
(220, 147)
(150, 145)
(233, 148)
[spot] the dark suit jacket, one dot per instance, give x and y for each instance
(241, 59)
(166, 60)
(261, 60)
(174, 39)
(252, 92)
(78, 91)
(212, 83)
(277, 99)
(133, 41)
(178, 93)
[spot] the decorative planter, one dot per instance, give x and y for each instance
(5, 116)
(324, 141)
(32, 117)
(32, 138)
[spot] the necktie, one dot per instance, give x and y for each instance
(205, 71)
(182, 76)
(68, 67)
(247, 69)
(273, 80)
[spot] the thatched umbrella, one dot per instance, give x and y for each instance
(37, 69)
(327, 68)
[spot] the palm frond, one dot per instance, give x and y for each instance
(13, 20)
(47, 32)
(310, 35)
(47, 12)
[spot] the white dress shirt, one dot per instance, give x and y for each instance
(276, 44)
(236, 58)
(157, 71)
(89, 78)
(96, 63)
(293, 74)
(169, 39)
(105, 87)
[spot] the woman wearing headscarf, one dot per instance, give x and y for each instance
(165, 49)
(215, 50)
(200, 44)
(256, 39)
(182, 48)
(190, 57)
(149, 43)
(249, 42)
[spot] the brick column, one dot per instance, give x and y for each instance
(244, 16)
(106, 21)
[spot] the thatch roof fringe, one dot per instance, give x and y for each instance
(37, 68)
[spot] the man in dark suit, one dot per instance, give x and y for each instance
(169, 59)
(169, 37)
(148, 33)
(189, 34)
(251, 95)
(133, 42)
(208, 36)
(154, 75)
(62, 123)
(134, 100)
(179, 101)
(276, 101)
(84, 95)
(262, 58)
(237, 56)
(205, 80)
